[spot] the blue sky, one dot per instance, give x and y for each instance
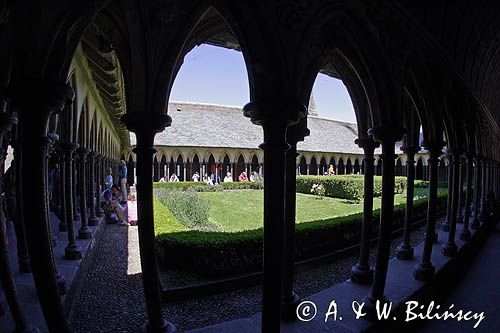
(216, 75)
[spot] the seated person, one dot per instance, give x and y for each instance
(112, 208)
(228, 178)
(243, 177)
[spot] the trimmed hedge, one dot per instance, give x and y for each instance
(202, 186)
(165, 221)
(349, 187)
(221, 253)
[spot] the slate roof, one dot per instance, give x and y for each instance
(209, 125)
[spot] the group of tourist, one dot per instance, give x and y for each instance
(114, 198)
(213, 178)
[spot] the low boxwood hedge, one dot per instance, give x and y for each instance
(202, 186)
(349, 187)
(221, 253)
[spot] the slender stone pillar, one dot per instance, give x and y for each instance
(405, 250)
(275, 148)
(461, 194)
(477, 193)
(449, 171)
(387, 137)
(76, 211)
(465, 234)
(362, 273)
(289, 299)
(63, 224)
(99, 212)
(6, 274)
(72, 250)
(145, 127)
(424, 271)
(93, 219)
(484, 212)
(35, 111)
(450, 248)
(22, 247)
(84, 232)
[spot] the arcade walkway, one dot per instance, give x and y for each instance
(479, 290)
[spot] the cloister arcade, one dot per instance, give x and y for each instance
(77, 76)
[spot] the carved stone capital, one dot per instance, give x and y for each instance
(367, 144)
(435, 147)
(262, 112)
(410, 150)
(387, 134)
(140, 122)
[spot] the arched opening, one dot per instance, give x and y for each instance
(313, 167)
(399, 168)
(156, 169)
(240, 166)
(341, 167)
(163, 168)
(419, 170)
(180, 168)
(254, 167)
(442, 170)
(323, 168)
(227, 168)
(378, 167)
(333, 164)
(356, 167)
(194, 167)
(348, 167)
(302, 166)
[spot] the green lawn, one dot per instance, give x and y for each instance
(242, 209)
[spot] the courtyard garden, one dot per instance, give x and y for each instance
(218, 229)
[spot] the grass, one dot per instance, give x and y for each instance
(240, 210)
(165, 221)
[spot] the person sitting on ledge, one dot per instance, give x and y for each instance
(243, 177)
(174, 178)
(228, 178)
(113, 210)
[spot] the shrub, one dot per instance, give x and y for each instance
(221, 253)
(165, 221)
(349, 187)
(188, 208)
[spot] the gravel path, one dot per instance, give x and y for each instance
(113, 299)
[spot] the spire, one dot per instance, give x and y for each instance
(311, 109)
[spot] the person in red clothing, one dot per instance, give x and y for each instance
(243, 177)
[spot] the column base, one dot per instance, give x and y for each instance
(475, 224)
(31, 329)
(93, 221)
(72, 252)
(24, 266)
(167, 327)
(63, 227)
(361, 274)
(370, 307)
(424, 272)
(449, 249)
(289, 307)
(404, 252)
(99, 212)
(62, 286)
(76, 216)
(465, 235)
(445, 226)
(85, 233)
(53, 238)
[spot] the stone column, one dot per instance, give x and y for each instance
(35, 110)
(465, 234)
(289, 299)
(275, 147)
(450, 248)
(477, 193)
(63, 225)
(76, 213)
(462, 172)
(424, 271)
(84, 232)
(72, 250)
(99, 212)
(484, 212)
(387, 137)
(362, 273)
(93, 219)
(449, 176)
(145, 126)
(22, 247)
(405, 250)
(6, 274)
